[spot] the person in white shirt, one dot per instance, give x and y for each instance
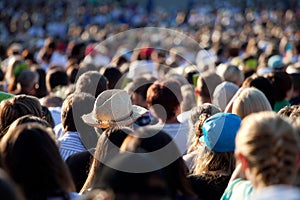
(164, 98)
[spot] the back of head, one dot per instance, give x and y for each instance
(56, 77)
(264, 85)
(20, 105)
(28, 80)
(140, 86)
(292, 112)
(32, 159)
(216, 158)
(206, 84)
(250, 100)
(267, 132)
(231, 73)
(114, 77)
(150, 184)
(198, 116)
(29, 119)
(73, 107)
(165, 97)
(91, 82)
(223, 94)
(160, 146)
(281, 82)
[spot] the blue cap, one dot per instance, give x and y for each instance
(275, 62)
(219, 132)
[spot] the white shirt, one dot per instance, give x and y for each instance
(179, 132)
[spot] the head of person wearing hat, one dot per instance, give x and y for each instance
(215, 162)
(113, 108)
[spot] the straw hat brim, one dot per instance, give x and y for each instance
(137, 111)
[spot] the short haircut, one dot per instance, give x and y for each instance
(56, 77)
(167, 94)
(73, 107)
(282, 83)
(91, 82)
(207, 83)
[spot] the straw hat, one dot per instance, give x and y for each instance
(113, 108)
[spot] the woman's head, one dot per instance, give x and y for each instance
(108, 146)
(198, 116)
(162, 148)
(250, 100)
(13, 108)
(31, 157)
(216, 157)
(267, 146)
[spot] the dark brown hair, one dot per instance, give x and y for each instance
(13, 108)
(31, 157)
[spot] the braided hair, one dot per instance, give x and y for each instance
(269, 144)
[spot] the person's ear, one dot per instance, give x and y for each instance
(243, 161)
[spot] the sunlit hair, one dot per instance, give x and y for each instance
(28, 119)
(211, 165)
(270, 146)
(250, 100)
(199, 115)
(13, 108)
(231, 73)
(290, 111)
(206, 85)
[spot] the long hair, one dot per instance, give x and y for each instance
(108, 143)
(211, 165)
(199, 115)
(31, 157)
(144, 140)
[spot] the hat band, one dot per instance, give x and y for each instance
(116, 120)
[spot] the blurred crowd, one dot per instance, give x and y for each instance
(146, 100)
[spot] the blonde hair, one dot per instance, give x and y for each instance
(210, 164)
(250, 100)
(270, 146)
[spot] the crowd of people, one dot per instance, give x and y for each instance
(117, 100)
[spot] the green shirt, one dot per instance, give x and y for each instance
(280, 104)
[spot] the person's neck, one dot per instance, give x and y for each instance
(173, 120)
